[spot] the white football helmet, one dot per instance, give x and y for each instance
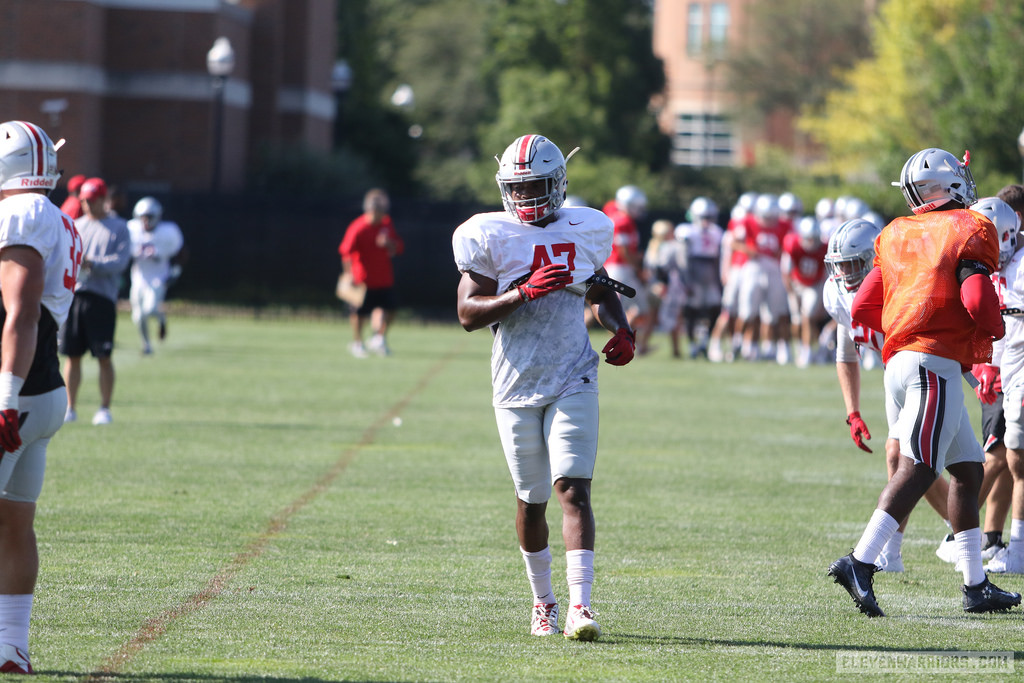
(934, 177)
(702, 207)
(851, 253)
(632, 200)
(148, 206)
(529, 158)
(28, 159)
(790, 204)
(809, 231)
(766, 209)
(825, 208)
(746, 201)
(855, 207)
(1007, 224)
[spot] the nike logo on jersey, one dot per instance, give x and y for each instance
(571, 223)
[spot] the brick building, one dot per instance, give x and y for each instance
(126, 83)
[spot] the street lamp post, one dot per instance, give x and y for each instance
(220, 62)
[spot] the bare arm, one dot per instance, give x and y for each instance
(480, 304)
(21, 286)
(849, 385)
(606, 306)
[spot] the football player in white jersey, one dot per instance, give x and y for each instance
(1008, 365)
(40, 252)
(524, 273)
(154, 243)
(703, 239)
(850, 255)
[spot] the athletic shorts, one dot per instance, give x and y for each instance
(21, 472)
(546, 443)
(924, 404)
(1014, 418)
(89, 327)
(805, 301)
(993, 424)
(383, 299)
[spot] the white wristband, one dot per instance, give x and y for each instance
(10, 387)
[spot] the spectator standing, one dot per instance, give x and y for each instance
(369, 245)
(93, 316)
(154, 243)
(72, 206)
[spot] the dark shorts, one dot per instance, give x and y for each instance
(993, 424)
(89, 327)
(378, 298)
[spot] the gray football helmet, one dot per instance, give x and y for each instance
(851, 253)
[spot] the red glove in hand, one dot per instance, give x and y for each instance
(544, 280)
(10, 440)
(858, 430)
(989, 382)
(619, 349)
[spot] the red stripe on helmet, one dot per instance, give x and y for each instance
(37, 148)
(523, 157)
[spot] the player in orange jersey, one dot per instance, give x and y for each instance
(931, 294)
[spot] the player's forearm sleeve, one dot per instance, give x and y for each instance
(981, 301)
(867, 305)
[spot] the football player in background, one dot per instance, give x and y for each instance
(40, 252)
(803, 273)
(851, 252)
(1002, 380)
(702, 238)
(154, 243)
(524, 273)
(931, 294)
(625, 263)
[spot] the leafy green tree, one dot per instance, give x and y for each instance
(945, 73)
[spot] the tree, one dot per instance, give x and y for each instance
(927, 85)
(791, 51)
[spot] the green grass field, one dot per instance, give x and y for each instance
(255, 513)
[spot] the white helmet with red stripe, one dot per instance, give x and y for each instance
(532, 158)
(28, 159)
(934, 177)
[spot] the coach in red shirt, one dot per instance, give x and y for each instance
(369, 244)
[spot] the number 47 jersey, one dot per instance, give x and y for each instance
(542, 350)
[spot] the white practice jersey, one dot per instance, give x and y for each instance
(1010, 349)
(152, 251)
(542, 350)
(701, 242)
(34, 221)
(839, 304)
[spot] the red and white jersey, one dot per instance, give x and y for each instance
(626, 235)
(806, 266)
(32, 220)
(766, 239)
(839, 304)
(542, 350)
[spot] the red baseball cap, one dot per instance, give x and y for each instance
(75, 182)
(93, 188)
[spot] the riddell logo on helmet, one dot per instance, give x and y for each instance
(35, 182)
(523, 172)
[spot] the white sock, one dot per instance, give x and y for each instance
(15, 611)
(968, 552)
(879, 530)
(538, 571)
(894, 546)
(1016, 544)
(579, 571)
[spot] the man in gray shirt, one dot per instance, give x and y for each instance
(93, 317)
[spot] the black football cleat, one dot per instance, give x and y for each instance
(856, 577)
(987, 597)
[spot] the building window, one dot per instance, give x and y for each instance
(719, 32)
(702, 140)
(695, 29)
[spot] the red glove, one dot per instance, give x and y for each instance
(10, 440)
(858, 430)
(544, 280)
(989, 382)
(619, 349)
